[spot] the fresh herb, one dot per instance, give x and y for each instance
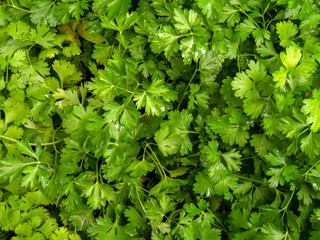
(159, 119)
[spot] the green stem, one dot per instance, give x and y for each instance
(158, 162)
(287, 205)
(263, 20)
(222, 227)
(142, 188)
(8, 138)
(307, 172)
(245, 158)
(249, 179)
(127, 101)
(186, 89)
(238, 63)
(114, 86)
(97, 170)
(18, 8)
(53, 138)
(246, 55)
(255, 23)
(140, 201)
(193, 132)
(194, 155)
(7, 74)
(158, 167)
(31, 144)
(46, 144)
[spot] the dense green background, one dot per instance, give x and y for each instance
(159, 119)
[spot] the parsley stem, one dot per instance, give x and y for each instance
(307, 172)
(97, 170)
(238, 63)
(186, 89)
(158, 167)
(249, 179)
(114, 86)
(46, 144)
(18, 8)
(142, 188)
(31, 144)
(255, 23)
(285, 208)
(262, 15)
(222, 227)
(140, 201)
(8, 138)
(289, 201)
(193, 132)
(7, 74)
(53, 138)
(163, 173)
(194, 155)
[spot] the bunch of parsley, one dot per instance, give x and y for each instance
(159, 119)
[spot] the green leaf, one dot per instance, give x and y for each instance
(66, 98)
(18, 30)
(18, 58)
(272, 232)
(67, 72)
(286, 31)
(104, 228)
(25, 148)
(310, 108)
(112, 7)
(260, 143)
(310, 145)
(276, 158)
(167, 143)
(43, 12)
(291, 58)
(140, 168)
(12, 168)
(135, 218)
(232, 159)
(280, 77)
(42, 36)
(165, 40)
(15, 111)
(98, 194)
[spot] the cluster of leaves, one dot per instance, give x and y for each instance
(159, 119)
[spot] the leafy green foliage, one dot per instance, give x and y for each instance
(159, 119)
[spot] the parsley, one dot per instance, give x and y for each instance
(157, 119)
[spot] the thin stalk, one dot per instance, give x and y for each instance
(238, 63)
(8, 138)
(114, 86)
(289, 201)
(140, 201)
(222, 227)
(249, 179)
(53, 138)
(7, 74)
(18, 8)
(307, 172)
(158, 162)
(255, 23)
(187, 87)
(286, 207)
(142, 188)
(158, 167)
(31, 144)
(46, 144)
(97, 170)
